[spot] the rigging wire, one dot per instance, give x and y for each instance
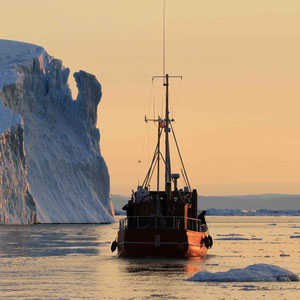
(150, 177)
(175, 140)
(148, 146)
(149, 171)
(153, 108)
(140, 161)
(177, 98)
(142, 157)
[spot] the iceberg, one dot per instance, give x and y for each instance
(64, 177)
(253, 273)
(16, 202)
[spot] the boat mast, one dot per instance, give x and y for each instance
(158, 154)
(168, 165)
(167, 120)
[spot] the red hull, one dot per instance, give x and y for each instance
(161, 242)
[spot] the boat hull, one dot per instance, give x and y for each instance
(161, 242)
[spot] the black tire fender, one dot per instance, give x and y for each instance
(211, 242)
(206, 242)
(113, 246)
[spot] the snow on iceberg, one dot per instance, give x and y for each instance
(67, 176)
(253, 273)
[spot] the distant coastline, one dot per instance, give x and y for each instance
(239, 212)
(238, 205)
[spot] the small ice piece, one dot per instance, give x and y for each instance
(232, 239)
(247, 287)
(230, 234)
(295, 236)
(252, 273)
(120, 213)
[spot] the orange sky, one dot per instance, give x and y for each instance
(236, 109)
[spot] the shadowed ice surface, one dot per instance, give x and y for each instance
(75, 262)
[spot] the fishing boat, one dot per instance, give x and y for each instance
(163, 222)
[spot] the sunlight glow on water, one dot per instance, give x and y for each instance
(75, 262)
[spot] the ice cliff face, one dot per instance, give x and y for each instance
(16, 202)
(67, 176)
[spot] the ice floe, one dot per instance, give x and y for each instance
(237, 239)
(120, 213)
(230, 234)
(252, 273)
(232, 239)
(259, 212)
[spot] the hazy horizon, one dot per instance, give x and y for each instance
(236, 109)
(242, 202)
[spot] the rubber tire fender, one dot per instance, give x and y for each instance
(114, 246)
(206, 242)
(211, 242)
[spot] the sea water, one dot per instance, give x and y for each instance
(75, 262)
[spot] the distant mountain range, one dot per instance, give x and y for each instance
(241, 202)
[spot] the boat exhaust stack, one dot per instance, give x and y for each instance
(195, 204)
(175, 177)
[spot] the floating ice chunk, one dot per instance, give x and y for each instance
(237, 239)
(120, 213)
(232, 239)
(253, 273)
(230, 234)
(295, 236)
(248, 287)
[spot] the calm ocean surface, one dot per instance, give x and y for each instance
(75, 262)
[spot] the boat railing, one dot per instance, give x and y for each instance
(162, 222)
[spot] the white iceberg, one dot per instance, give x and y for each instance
(67, 176)
(253, 273)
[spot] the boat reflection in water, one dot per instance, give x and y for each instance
(149, 266)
